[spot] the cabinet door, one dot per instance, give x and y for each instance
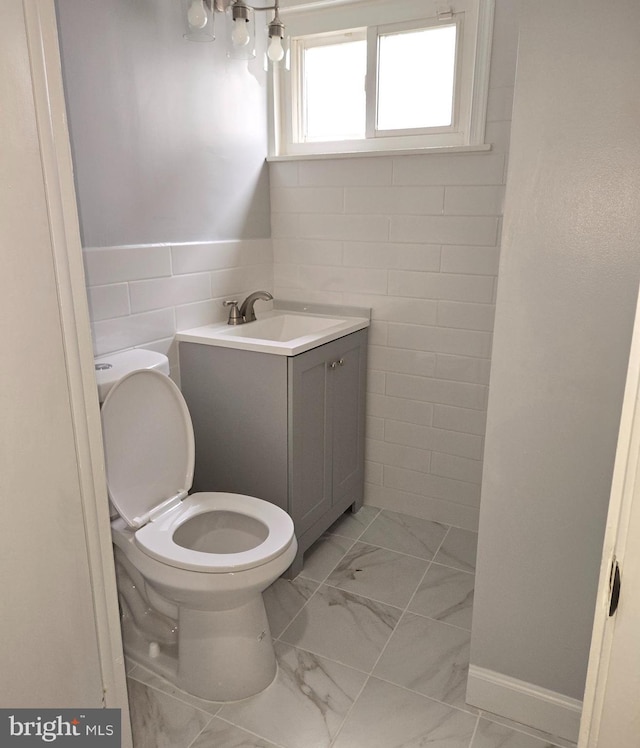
(347, 373)
(326, 428)
(309, 438)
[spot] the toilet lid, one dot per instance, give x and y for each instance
(148, 443)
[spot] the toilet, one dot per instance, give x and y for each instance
(190, 569)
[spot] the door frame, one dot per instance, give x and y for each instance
(57, 170)
(625, 483)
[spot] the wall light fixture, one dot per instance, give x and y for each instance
(240, 26)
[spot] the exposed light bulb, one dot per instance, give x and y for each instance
(240, 34)
(275, 52)
(197, 15)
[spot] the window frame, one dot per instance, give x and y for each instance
(298, 110)
(373, 66)
(474, 20)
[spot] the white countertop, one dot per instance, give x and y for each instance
(283, 331)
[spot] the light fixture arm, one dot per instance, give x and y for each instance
(223, 4)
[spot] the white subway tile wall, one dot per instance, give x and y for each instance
(140, 296)
(416, 238)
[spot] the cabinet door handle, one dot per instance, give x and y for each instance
(335, 364)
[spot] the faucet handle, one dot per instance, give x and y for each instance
(235, 318)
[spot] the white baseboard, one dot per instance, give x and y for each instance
(524, 702)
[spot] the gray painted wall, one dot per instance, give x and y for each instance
(169, 137)
(566, 295)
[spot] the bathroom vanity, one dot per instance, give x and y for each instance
(280, 417)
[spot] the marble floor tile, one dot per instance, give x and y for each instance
(220, 734)
(161, 721)
(445, 594)
(387, 716)
(344, 627)
(353, 525)
(380, 574)
(399, 532)
(283, 601)
(324, 555)
(491, 735)
(429, 657)
(458, 549)
(306, 704)
(142, 675)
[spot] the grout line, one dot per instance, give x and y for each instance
(430, 698)
(349, 710)
(415, 592)
(201, 731)
(393, 550)
(437, 620)
(475, 730)
(523, 729)
(446, 535)
(455, 568)
(250, 732)
(384, 649)
(288, 626)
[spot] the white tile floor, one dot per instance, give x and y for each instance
(372, 641)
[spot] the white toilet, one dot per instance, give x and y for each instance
(191, 569)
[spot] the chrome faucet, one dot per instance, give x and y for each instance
(245, 313)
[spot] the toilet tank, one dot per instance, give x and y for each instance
(114, 366)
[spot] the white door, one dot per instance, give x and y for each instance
(611, 711)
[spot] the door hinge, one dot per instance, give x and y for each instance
(614, 586)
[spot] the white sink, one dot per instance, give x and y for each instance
(281, 332)
(283, 327)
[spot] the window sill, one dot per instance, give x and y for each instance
(381, 153)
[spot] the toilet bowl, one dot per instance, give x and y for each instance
(190, 569)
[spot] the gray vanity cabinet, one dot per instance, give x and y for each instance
(286, 429)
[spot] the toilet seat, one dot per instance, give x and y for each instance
(156, 537)
(150, 457)
(149, 445)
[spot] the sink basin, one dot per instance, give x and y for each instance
(281, 332)
(283, 327)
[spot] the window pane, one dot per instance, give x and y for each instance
(334, 91)
(415, 78)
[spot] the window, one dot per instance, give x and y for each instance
(370, 76)
(332, 92)
(430, 53)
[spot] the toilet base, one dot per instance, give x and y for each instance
(225, 655)
(238, 661)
